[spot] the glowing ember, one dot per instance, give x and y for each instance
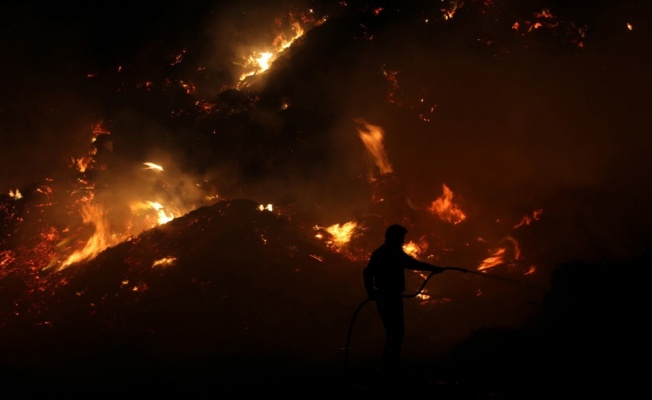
(16, 195)
(316, 257)
(268, 207)
(6, 258)
(450, 12)
(164, 262)
(527, 220)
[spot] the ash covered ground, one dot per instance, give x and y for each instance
(533, 117)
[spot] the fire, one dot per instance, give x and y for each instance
(527, 220)
(372, 137)
(497, 257)
(86, 162)
(261, 61)
(161, 216)
(446, 209)
(450, 12)
(267, 207)
(164, 262)
(110, 225)
(341, 234)
(16, 195)
(6, 258)
(102, 238)
(151, 165)
(412, 249)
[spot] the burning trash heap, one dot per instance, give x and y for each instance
(219, 214)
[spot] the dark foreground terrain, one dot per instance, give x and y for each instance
(587, 342)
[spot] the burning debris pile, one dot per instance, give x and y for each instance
(212, 192)
(223, 281)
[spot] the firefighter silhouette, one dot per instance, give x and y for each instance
(384, 281)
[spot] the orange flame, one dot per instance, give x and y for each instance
(372, 137)
(102, 238)
(412, 248)
(446, 209)
(151, 165)
(527, 220)
(496, 258)
(260, 61)
(342, 233)
(164, 262)
(499, 256)
(163, 218)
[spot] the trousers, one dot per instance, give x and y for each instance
(390, 310)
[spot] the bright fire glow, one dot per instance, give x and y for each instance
(449, 13)
(102, 238)
(162, 216)
(260, 61)
(412, 248)
(153, 166)
(164, 262)
(16, 195)
(342, 233)
(446, 209)
(497, 257)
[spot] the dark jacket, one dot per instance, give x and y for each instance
(385, 271)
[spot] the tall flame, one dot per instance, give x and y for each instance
(446, 209)
(102, 238)
(372, 136)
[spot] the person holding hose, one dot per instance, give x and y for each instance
(384, 281)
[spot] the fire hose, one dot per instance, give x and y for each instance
(418, 292)
(365, 301)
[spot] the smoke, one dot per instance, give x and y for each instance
(535, 122)
(510, 117)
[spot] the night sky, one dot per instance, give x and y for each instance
(522, 110)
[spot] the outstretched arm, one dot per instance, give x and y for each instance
(417, 265)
